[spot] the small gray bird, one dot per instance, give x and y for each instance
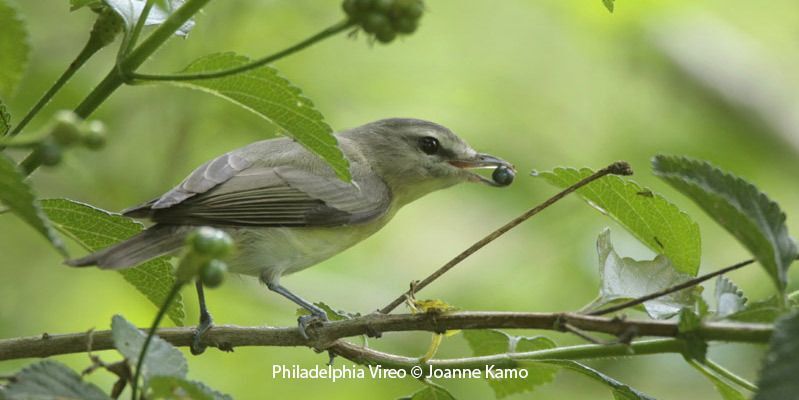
(286, 209)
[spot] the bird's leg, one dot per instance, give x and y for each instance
(304, 320)
(206, 321)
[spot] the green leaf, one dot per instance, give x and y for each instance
(609, 4)
(130, 10)
(765, 311)
(489, 342)
(729, 298)
(272, 97)
(738, 206)
(5, 119)
(647, 215)
(18, 196)
(95, 229)
(432, 392)
(174, 388)
(688, 328)
(727, 391)
(778, 374)
(623, 279)
(50, 380)
(14, 49)
(620, 391)
(162, 359)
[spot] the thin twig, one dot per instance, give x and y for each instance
(675, 288)
(617, 168)
(226, 336)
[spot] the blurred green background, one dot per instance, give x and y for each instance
(541, 83)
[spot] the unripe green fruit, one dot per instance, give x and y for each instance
(349, 7)
(212, 273)
(209, 242)
(386, 35)
(383, 6)
(375, 23)
(406, 25)
(50, 153)
(66, 129)
(503, 175)
(94, 135)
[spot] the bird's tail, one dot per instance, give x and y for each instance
(150, 243)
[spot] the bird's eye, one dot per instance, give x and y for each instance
(429, 145)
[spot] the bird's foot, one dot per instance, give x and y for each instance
(304, 321)
(197, 346)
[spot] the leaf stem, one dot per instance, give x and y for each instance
(617, 168)
(85, 54)
(134, 384)
(330, 31)
(133, 37)
(114, 79)
(731, 376)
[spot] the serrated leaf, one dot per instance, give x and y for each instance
(729, 298)
(18, 196)
(620, 390)
(51, 380)
(765, 311)
(625, 278)
(14, 49)
(688, 328)
(274, 98)
(609, 4)
(647, 215)
(174, 388)
(432, 392)
(95, 229)
(777, 379)
(737, 205)
(485, 342)
(5, 119)
(130, 10)
(162, 359)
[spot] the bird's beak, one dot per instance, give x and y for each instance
(480, 161)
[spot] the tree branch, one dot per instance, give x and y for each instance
(617, 168)
(325, 337)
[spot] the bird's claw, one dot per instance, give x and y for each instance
(304, 321)
(197, 347)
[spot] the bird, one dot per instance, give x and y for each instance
(286, 209)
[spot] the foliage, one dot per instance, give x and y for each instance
(755, 220)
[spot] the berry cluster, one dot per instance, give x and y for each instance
(207, 248)
(385, 18)
(68, 130)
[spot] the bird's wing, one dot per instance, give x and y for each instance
(229, 191)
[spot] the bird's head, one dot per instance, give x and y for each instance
(416, 157)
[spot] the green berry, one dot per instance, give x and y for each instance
(383, 6)
(212, 273)
(375, 22)
(50, 152)
(349, 7)
(210, 242)
(363, 5)
(94, 135)
(503, 175)
(386, 35)
(405, 25)
(66, 129)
